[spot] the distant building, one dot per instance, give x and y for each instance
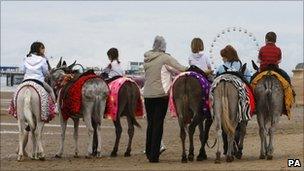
(136, 68)
(9, 69)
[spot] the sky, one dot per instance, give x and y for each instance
(84, 31)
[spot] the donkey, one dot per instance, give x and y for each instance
(127, 103)
(225, 109)
(29, 119)
(269, 96)
(94, 95)
(187, 94)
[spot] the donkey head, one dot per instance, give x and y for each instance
(255, 67)
(240, 71)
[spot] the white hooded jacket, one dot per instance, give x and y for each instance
(201, 60)
(35, 67)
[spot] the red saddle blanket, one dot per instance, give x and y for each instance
(72, 101)
(112, 101)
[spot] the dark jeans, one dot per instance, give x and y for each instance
(156, 109)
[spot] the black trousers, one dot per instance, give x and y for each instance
(156, 109)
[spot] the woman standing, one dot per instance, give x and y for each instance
(155, 94)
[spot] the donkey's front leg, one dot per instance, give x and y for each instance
(75, 136)
(63, 124)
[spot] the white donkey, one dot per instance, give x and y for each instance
(94, 95)
(29, 119)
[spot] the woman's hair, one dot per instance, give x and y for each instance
(35, 49)
(230, 54)
(271, 37)
(197, 45)
(159, 44)
(113, 54)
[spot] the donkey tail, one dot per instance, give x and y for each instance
(27, 109)
(225, 112)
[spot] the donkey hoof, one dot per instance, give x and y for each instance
(88, 156)
(262, 156)
(238, 155)
(217, 161)
(20, 158)
(127, 154)
(76, 155)
(42, 158)
(229, 158)
(184, 159)
(190, 157)
(114, 154)
(201, 157)
(269, 157)
(57, 156)
(98, 154)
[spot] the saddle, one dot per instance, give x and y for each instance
(112, 103)
(289, 93)
(246, 103)
(46, 105)
(71, 95)
(205, 84)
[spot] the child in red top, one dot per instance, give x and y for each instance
(270, 55)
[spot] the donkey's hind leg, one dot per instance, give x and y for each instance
(270, 148)
(204, 136)
(21, 124)
(191, 129)
(75, 136)
(131, 134)
(229, 156)
(262, 133)
(183, 138)
(38, 133)
(118, 130)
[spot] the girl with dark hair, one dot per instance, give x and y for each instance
(114, 69)
(231, 61)
(36, 67)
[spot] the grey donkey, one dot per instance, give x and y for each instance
(269, 96)
(225, 109)
(94, 95)
(187, 94)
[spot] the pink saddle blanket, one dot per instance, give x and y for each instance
(112, 100)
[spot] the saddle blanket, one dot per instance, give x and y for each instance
(112, 100)
(288, 91)
(71, 103)
(47, 105)
(205, 84)
(246, 103)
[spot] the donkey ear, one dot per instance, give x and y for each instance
(59, 63)
(243, 68)
(72, 65)
(255, 67)
(64, 64)
(225, 68)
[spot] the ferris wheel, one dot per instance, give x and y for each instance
(243, 41)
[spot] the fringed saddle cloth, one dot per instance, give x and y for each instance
(205, 84)
(47, 105)
(71, 99)
(288, 91)
(112, 100)
(246, 102)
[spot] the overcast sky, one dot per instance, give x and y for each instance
(86, 30)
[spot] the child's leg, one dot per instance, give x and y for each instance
(50, 91)
(285, 75)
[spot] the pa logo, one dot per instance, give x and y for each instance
(293, 163)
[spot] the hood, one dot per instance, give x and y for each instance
(33, 61)
(151, 55)
(197, 55)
